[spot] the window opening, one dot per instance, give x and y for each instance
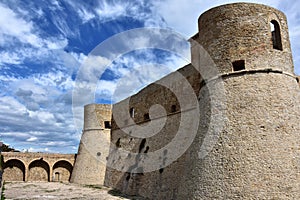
(276, 35)
(238, 65)
(131, 112)
(107, 124)
(173, 108)
(146, 116)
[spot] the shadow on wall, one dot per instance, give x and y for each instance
(117, 193)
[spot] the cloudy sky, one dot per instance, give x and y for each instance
(44, 44)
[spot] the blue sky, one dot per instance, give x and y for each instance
(44, 43)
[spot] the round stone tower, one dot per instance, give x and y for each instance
(90, 164)
(256, 154)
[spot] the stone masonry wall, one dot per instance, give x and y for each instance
(36, 166)
(257, 153)
(164, 180)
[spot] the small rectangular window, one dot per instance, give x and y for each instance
(107, 124)
(238, 65)
(173, 108)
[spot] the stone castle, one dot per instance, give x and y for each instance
(223, 127)
(255, 154)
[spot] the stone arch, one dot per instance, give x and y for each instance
(39, 170)
(62, 171)
(14, 170)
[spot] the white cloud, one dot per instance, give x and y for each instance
(109, 10)
(8, 104)
(10, 58)
(143, 66)
(54, 43)
(12, 25)
(38, 111)
(42, 116)
(80, 57)
(31, 149)
(17, 30)
(183, 16)
(85, 15)
(105, 89)
(32, 139)
(92, 68)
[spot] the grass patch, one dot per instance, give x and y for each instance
(3, 189)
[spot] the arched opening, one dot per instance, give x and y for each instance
(39, 170)
(56, 177)
(62, 171)
(276, 35)
(14, 170)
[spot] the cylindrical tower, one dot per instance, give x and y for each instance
(257, 154)
(253, 33)
(90, 164)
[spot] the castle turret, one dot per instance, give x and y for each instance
(257, 154)
(245, 36)
(90, 164)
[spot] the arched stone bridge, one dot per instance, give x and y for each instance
(37, 166)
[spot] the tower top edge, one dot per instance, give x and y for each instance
(240, 5)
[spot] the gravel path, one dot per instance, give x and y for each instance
(55, 190)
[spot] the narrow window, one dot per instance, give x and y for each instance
(56, 176)
(146, 116)
(147, 149)
(131, 112)
(107, 124)
(142, 145)
(238, 65)
(173, 108)
(118, 143)
(128, 176)
(276, 35)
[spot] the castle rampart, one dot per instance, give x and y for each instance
(246, 141)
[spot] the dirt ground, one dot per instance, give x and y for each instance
(55, 190)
